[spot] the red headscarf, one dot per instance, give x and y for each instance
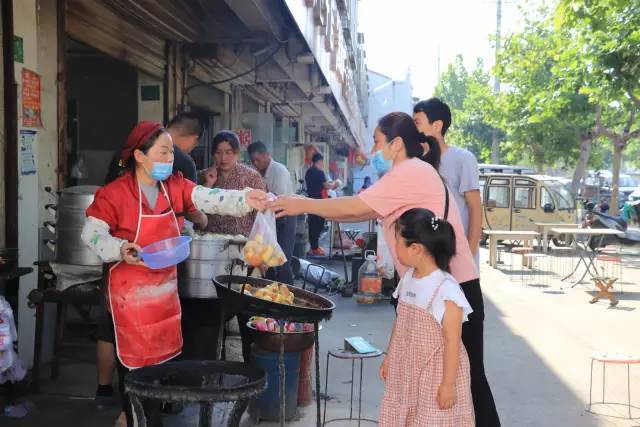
(138, 136)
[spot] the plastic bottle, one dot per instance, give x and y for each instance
(369, 280)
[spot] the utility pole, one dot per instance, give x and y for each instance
(495, 142)
(438, 70)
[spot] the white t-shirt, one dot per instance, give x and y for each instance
(418, 292)
(278, 179)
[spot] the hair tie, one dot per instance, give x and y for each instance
(435, 223)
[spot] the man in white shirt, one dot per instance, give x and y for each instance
(278, 180)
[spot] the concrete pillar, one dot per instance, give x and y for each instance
(35, 21)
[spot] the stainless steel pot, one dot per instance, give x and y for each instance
(70, 217)
(208, 259)
(218, 249)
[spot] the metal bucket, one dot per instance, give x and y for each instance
(208, 259)
(70, 217)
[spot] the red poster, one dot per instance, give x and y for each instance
(245, 136)
(31, 106)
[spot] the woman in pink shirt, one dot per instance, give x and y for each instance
(413, 182)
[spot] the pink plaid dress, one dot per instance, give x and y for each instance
(414, 373)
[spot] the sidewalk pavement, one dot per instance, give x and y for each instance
(538, 343)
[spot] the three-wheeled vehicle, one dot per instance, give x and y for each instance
(515, 201)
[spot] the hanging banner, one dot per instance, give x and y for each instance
(244, 135)
(27, 149)
(31, 106)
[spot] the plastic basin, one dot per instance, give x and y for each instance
(166, 253)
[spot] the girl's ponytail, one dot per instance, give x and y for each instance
(433, 155)
(422, 226)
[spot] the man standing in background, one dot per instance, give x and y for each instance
(317, 186)
(278, 180)
(459, 168)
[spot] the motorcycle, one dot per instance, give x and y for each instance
(595, 219)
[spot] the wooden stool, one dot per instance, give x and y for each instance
(612, 359)
(611, 266)
(605, 285)
(521, 251)
(531, 259)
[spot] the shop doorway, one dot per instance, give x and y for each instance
(102, 108)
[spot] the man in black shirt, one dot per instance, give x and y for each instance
(185, 129)
(317, 186)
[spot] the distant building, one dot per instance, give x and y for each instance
(385, 96)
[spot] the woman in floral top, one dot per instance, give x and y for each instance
(229, 174)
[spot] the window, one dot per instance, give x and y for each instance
(500, 181)
(525, 182)
(524, 198)
(562, 194)
(482, 184)
(498, 197)
(545, 198)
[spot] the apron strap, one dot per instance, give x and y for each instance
(433, 297)
(166, 195)
(173, 212)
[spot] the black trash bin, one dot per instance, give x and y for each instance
(203, 390)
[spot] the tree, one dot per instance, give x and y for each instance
(607, 32)
(472, 102)
(545, 116)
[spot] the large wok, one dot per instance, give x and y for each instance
(307, 306)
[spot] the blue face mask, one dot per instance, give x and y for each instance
(378, 161)
(381, 164)
(161, 171)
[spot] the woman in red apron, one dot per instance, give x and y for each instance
(426, 370)
(133, 211)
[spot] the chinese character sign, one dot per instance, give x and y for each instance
(31, 106)
(244, 135)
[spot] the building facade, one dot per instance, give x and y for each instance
(78, 74)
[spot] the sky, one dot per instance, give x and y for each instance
(408, 35)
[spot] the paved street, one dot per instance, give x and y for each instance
(538, 342)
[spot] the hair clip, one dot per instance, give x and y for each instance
(435, 223)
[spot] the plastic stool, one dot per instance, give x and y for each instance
(531, 259)
(613, 359)
(348, 355)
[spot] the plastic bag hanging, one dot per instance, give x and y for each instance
(263, 249)
(386, 268)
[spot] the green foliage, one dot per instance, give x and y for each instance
(472, 103)
(557, 73)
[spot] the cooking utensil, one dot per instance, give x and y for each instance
(307, 306)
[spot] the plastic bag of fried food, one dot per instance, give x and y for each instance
(262, 247)
(276, 292)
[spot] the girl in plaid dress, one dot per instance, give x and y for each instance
(426, 370)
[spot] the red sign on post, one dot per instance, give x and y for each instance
(31, 105)
(244, 135)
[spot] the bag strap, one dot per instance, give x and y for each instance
(446, 200)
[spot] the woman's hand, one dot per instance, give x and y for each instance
(287, 206)
(257, 199)
(199, 220)
(131, 253)
(446, 395)
(210, 177)
(383, 369)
